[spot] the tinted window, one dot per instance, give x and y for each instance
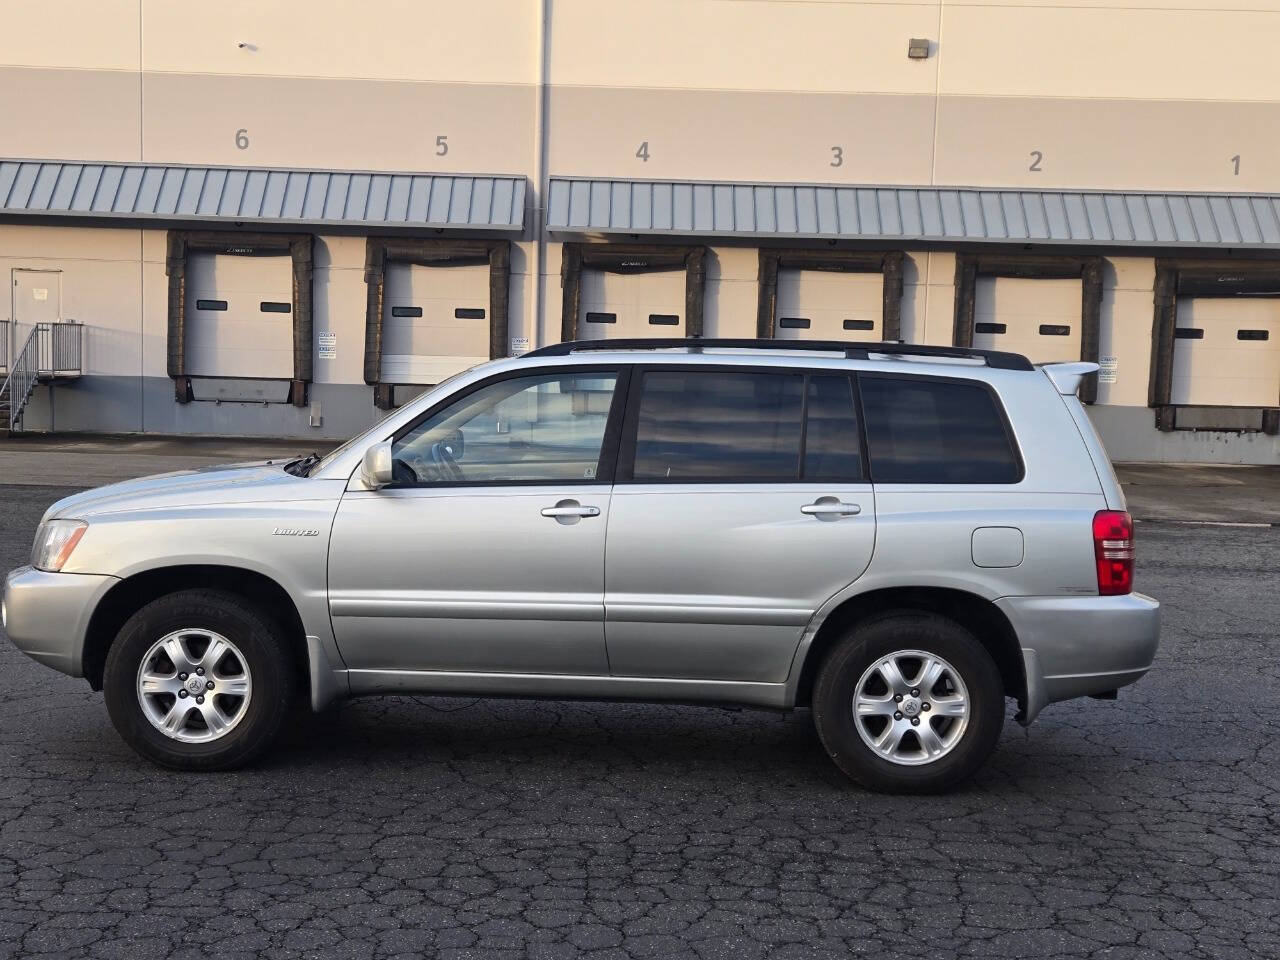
(698, 425)
(831, 447)
(547, 428)
(935, 431)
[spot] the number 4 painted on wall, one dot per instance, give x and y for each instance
(643, 151)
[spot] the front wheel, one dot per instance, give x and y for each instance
(909, 703)
(198, 680)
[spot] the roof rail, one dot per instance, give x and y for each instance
(851, 350)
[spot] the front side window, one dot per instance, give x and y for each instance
(922, 430)
(547, 428)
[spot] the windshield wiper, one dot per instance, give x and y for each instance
(302, 468)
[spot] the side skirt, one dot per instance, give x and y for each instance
(774, 695)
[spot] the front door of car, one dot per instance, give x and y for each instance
(741, 506)
(487, 553)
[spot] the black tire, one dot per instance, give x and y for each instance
(257, 638)
(879, 637)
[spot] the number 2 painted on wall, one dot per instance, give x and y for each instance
(1036, 158)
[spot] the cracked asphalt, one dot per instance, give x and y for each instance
(408, 827)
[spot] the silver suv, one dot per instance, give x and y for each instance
(898, 537)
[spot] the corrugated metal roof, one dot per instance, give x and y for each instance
(175, 193)
(914, 213)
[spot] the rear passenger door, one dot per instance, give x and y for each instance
(741, 505)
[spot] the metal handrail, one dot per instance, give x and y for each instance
(52, 349)
(22, 378)
(61, 348)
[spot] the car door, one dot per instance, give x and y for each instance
(487, 553)
(741, 506)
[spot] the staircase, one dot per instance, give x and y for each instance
(52, 351)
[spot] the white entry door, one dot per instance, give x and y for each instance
(37, 298)
(1039, 319)
(829, 305)
(435, 321)
(632, 305)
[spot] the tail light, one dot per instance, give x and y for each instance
(1113, 548)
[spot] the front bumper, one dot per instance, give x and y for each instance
(1077, 646)
(47, 614)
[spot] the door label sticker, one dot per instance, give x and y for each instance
(1107, 369)
(519, 346)
(328, 344)
(39, 293)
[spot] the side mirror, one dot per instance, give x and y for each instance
(376, 470)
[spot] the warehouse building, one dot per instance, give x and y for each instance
(280, 220)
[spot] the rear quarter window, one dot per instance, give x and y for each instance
(934, 430)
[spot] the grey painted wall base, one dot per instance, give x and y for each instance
(1129, 434)
(96, 404)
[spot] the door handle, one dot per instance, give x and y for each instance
(830, 508)
(570, 511)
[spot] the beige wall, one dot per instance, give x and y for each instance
(1133, 94)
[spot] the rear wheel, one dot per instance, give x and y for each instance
(908, 703)
(198, 680)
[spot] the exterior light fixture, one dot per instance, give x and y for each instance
(918, 48)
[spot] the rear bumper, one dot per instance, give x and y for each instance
(47, 614)
(1077, 646)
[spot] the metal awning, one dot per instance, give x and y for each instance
(899, 214)
(180, 194)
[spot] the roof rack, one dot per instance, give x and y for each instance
(853, 351)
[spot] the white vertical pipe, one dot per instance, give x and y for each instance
(540, 171)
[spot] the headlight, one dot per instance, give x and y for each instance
(54, 542)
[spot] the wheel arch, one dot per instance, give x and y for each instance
(134, 592)
(978, 615)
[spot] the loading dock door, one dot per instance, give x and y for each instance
(239, 316)
(632, 304)
(1038, 318)
(435, 321)
(1226, 352)
(829, 305)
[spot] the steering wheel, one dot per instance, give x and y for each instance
(446, 465)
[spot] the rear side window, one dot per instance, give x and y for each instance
(832, 447)
(700, 426)
(923, 430)
(743, 427)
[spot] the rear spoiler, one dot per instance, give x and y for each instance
(1067, 376)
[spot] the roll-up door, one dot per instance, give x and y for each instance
(435, 321)
(829, 305)
(1039, 319)
(1226, 352)
(239, 316)
(648, 304)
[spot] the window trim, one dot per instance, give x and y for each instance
(605, 463)
(624, 471)
(1006, 424)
